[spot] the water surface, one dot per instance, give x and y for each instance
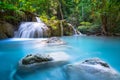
(78, 47)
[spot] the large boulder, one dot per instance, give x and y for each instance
(38, 58)
(37, 61)
(91, 69)
(6, 30)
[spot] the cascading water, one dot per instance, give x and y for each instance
(76, 33)
(38, 20)
(32, 29)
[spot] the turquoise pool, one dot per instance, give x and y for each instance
(78, 47)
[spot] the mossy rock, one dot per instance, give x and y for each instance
(6, 30)
(55, 28)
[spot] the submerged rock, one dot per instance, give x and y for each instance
(91, 69)
(53, 41)
(35, 61)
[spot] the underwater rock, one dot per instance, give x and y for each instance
(91, 69)
(53, 41)
(35, 61)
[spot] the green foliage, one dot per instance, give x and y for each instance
(86, 23)
(26, 5)
(82, 13)
(53, 22)
(44, 17)
(89, 29)
(7, 6)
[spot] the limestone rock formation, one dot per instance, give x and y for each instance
(31, 59)
(36, 61)
(91, 69)
(6, 30)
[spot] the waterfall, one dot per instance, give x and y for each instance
(76, 32)
(32, 29)
(38, 20)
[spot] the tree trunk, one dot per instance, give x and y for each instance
(82, 12)
(104, 24)
(104, 30)
(61, 17)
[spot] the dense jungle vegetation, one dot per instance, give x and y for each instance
(96, 17)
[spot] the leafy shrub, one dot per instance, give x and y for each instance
(53, 22)
(92, 29)
(86, 23)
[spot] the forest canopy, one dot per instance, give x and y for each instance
(88, 16)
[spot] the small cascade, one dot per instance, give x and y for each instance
(76, 32)
(32, 29)
(38, 20)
